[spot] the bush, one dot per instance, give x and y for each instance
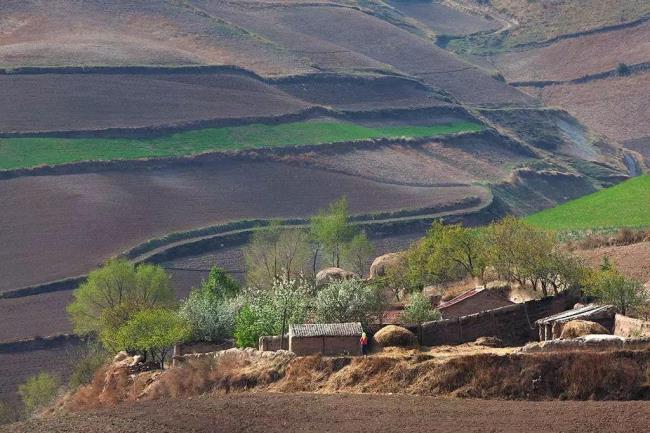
(7, 414)
(622, 69)
(38, 392)
(85, 363)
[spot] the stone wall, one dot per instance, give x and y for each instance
(514, 324)
(628, 327)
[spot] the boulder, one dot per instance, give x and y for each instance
(382, 263)
(579, 328)
(395, 336)
(327, 275)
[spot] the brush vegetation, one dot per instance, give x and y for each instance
(31, 152)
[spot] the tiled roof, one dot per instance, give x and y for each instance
(469, 294)
(326, 330)
(589, 311)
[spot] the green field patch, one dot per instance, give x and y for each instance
(32, 152)
(624, 205)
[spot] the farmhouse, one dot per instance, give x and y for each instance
(325, 338)
(471, 302)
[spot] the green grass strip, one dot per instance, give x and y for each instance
(31, 152)
(624, 205)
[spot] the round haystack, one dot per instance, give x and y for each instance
(381, 264)
(579, 328)
(327, 275)
(395, 336)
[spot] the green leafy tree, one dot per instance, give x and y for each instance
(420, 311)
(349, 301)
(274, 253)
(331, 229)
(113, 293)
(152, 333)
(38, 392)
(446, 253)
(609, 286)
(270, 312)
(220, 285)
(358, 252)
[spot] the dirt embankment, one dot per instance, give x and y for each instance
(620, 375)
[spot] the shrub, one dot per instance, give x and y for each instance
(38, 392)
(623, 69)
(7, 414)
(85, 364)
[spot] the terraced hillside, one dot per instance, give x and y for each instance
(591, 57)
(130, 120)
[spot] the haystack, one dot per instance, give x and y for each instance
(327, 275)
(395, 336)
(381, 264)
(579, 328)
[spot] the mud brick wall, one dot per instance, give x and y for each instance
(514, 324)
(628, 327)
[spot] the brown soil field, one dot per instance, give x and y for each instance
(540, 21)
(632, 260)
(344, 39)
(72, 223)
(269, 38)
(615, 107)
(86, 102)
(311, 413)
(128, 32)
(442, 19)
(577, 57)
(35, 316)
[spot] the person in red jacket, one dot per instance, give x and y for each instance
(364, 344)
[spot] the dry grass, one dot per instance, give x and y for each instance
(569, 375)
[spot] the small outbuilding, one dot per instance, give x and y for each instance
(551, 327)
(472, 302)
(325, 338)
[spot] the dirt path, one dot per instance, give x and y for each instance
(302, 413)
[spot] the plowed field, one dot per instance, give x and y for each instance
(309, 413)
